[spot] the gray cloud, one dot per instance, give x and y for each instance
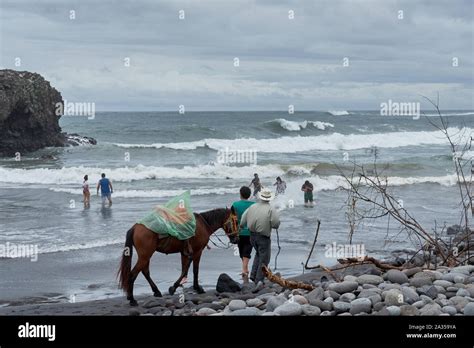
(282, 61)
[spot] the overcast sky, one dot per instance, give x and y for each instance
(283, 61)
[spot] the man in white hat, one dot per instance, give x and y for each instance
(260, 218)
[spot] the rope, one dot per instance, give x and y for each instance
(279, 248)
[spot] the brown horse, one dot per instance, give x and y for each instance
(146, 242)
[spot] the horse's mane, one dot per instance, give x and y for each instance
(214, 215)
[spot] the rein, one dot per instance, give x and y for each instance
(225, 246)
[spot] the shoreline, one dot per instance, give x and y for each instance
(363, 291)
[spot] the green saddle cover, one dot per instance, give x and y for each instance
(175, 218)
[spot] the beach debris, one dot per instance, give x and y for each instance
(290, 284)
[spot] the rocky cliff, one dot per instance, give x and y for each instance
(28, 119)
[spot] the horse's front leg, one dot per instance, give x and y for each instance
(196, 260)
(185, 263)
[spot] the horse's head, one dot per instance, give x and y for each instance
(230, 225)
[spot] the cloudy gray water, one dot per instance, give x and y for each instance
(150, 157)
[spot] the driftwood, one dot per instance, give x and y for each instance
(353, 261)
(290, 284)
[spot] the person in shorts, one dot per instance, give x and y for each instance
(106, 189)
(308, 188)
(245, 248)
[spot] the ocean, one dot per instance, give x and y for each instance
(153, 156)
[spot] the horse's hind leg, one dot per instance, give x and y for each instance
(196, 260)
(154, 288)
(185, 263)
(139, 266)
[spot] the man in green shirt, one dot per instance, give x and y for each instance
(245, 248)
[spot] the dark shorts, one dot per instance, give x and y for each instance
(308, 197)
(245, 248)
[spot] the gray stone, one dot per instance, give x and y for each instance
(317, 293)
(467, 269)
(340, 306)
(214, 305)
(428, 290)
(440, 289)
(454, 277)
(274, 302)
(332, 294)
(327, 313)
(379, 306)
(369, 279)
(375, 299)
(463, 292)
(393, 297)
(426, 274)
(311, 311)
(361, 305)
(156, 302)
(410, 296)
(469, 309)
(249, 311)
(426, 299)
(347, 297)
(205, 311)
(329, 300)
(443, 302)
(350, 278)
(419, 304)
(396, 276)
(443, 283)
(235, 305)
(388, 286)
(459, 302)
(345, 314)
(411, 271)
(289, 309)
(394, 311)
(449, 309)
(420, 281)
(134, 312)
(369, 292)
(368, 286)
(409, 310)
(324, 306)
(254, 302)
(343, 287)
(299, 299)
(431, 309)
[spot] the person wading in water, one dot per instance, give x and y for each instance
(257, 186)
(106, 189)
(307, 188)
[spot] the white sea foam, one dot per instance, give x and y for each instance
(321, 183)
(334, 141)
(156, 193)
(73, 175)
(339, 112)
(297, 126)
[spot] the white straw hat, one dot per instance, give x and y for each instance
(265, 195)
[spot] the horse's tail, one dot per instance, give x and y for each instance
(126, 263)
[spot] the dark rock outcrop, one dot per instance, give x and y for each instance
(28, 119)
(226, 284)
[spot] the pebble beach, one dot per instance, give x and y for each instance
(364, 290)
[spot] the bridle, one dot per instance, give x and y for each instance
(232, 221)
